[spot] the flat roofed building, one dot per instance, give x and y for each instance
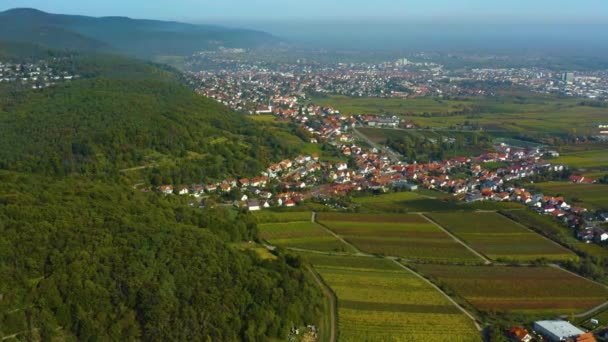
(557, 330)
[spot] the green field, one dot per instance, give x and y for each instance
(525, 113)
(590, 196)
(423, 201)
(379, 301)
(266, 216)
(261, 251)
(409, 137)
(406, 236)
(550, 227)
(401, 202)
(500, 238)
(304, 235)
(532, 290)
(587, 157)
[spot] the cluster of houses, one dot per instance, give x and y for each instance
(35, 75)
(290, 181)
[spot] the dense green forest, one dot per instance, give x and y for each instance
(88, 260)
(123, 115)
(85, 256)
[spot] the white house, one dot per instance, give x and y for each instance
(253, 205)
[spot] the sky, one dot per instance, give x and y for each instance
(553, 11)
(562, 25)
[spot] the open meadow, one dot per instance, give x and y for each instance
(590, 196)
(531, 290)
(379, 301)
(411, 237)
(500, 238)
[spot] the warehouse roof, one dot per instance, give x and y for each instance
(561, 329)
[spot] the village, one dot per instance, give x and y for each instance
(289, 182)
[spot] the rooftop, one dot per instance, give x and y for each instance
(560, 328)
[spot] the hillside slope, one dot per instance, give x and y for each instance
(143, 38)
(82, 260)
(115, 120)
(84, 256)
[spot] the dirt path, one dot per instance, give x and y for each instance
(332, 303)
(483, 257)
(468, 314)
(351, 246)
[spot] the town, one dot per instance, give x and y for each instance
(253, 86)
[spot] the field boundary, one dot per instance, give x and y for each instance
(468, 314)
(355, 249)
(537, 233)
(594, 309)
(486, 260)
(333, 300)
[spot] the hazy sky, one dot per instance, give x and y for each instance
(253, 10)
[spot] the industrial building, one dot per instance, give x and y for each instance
(557, 330)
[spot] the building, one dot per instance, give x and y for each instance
(520, 334)
(568, 77)
(557, 330)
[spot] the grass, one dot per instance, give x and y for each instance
(529, 290)
(500, 238)
(379, 301)
(590, 196)
(401, 202)
(540, 115)
(406, 236)
(423, 201)
(585, 157)
(266, 216)
(261, 251)
(304, 235)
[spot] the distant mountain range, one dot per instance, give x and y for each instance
(142, 38)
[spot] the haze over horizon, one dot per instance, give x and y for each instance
(562, 26)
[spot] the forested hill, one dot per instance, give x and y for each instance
(128, 114)
(84, 260)
(141, 38)
(84, 256)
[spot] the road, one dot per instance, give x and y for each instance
(357, 252)
(392, 155)
(468, 314)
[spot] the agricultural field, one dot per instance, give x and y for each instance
(515, 113)
(411, 237)
(590, 196)
(587, 157)
(401, 202)
(550, 227)
(528, 290)
(379, 301)
(266, 216)
(304, 235)
(422, 201)
(500, 238)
